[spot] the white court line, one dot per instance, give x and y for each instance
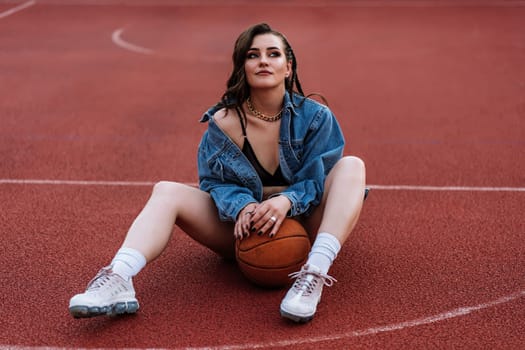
(17, 8)
(458, 312)
(447, 188)
(78, 182)
(117, 40)
(194, 184)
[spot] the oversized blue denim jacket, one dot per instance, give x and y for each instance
(310, 143)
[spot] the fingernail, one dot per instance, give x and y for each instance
(272, 234)
(260, 233)
(251, 223)
(252, 229)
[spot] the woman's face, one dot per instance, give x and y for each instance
(266, 65)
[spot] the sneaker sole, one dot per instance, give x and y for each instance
(296, 318)
(81, 311)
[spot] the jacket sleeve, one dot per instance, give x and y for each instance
(229, 198)
(323, 147)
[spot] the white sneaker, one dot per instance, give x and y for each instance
(107, 294)
(300, 303)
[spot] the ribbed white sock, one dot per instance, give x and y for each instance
(324, 251)
(128, 262)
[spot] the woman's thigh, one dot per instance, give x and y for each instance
(197, 215)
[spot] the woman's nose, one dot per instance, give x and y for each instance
(264, 59)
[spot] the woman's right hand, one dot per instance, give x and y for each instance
(243, 223)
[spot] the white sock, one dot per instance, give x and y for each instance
(324, 251)
(128, 262)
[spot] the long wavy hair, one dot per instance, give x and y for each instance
(237, 88)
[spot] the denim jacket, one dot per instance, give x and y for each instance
(310, 143)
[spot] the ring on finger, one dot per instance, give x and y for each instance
(273, 219)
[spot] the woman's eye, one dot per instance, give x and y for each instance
(275, 54)
(251, 55)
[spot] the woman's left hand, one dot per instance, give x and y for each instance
(269, 215)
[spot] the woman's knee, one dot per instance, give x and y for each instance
(351, 166)
(167, 189)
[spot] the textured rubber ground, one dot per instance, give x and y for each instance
(428, 93)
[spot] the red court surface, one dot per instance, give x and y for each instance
(101, 99)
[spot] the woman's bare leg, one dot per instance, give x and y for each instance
(330, 225)
(191, 209)
(342, 200)
(111, 292)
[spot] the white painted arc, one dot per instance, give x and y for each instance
(117, 40)
(17, 8)
(458, 312)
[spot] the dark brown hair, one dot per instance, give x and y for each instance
(237, 88)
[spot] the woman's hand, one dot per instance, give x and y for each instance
(269, 215)
(242, 225)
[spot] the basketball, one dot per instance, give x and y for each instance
(268, 261)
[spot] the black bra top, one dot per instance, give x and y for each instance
(267, 179)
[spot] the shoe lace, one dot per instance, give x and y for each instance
(102, 277)
(307, 280)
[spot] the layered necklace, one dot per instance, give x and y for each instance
(261, 115)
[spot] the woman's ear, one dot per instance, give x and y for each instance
(288, 69)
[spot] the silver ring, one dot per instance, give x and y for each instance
(273, 218)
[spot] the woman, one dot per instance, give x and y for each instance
(269, 153)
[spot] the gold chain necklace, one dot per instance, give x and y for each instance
(263, 116)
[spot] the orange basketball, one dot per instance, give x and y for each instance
(268, 261)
